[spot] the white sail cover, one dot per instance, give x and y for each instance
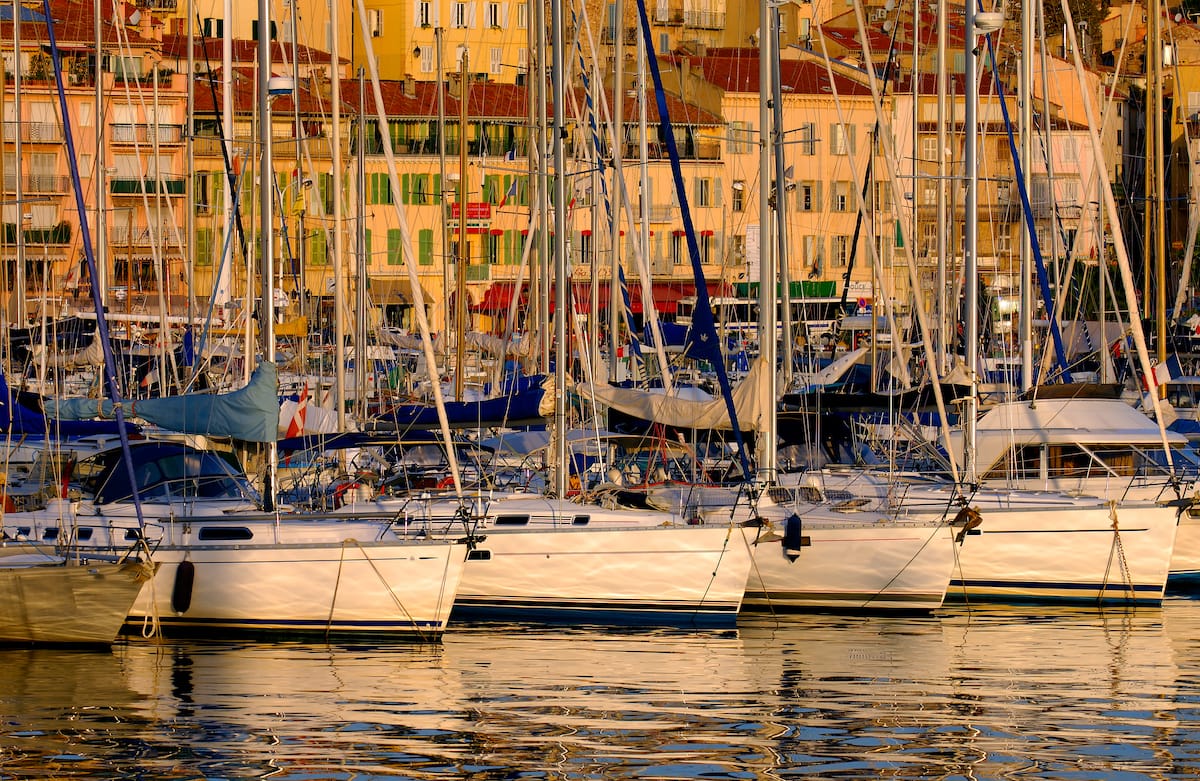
(752, 400)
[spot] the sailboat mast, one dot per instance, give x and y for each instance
(101, 248)
(618, 189)
(22, 294)
(460, 265)
(767, 337)
(339, 266)
(360, 236)
(562, 355)
(970, 238)
(1155, 190)
(1025, 328)
(266, 194)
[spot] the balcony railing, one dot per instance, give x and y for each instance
(37, 183)
(137, 236)
(37, 132)
(145, 134)
(124, 185)
(55, 234)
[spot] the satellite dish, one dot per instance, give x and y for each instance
(135, 17)
(1178, 18)
(887, 25)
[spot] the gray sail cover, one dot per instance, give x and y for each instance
(250, 414)
(752, 399)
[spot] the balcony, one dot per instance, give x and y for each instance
(138, 236)
(34, 132)
(704, 20)
(55, 234)
(158, 5)
(170, 185)
(37, 183)
(146, 134)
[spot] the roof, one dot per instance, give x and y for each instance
(736, 70)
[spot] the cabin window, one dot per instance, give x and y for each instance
(83, 534)
(581, 520)
(479, 555)
(225, 533)
(132, 535)
(50, 534)
(512, 520)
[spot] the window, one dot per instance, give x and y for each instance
(839, 250)
(741, 138)
(842, 139)
(706, 245)
(459, 53)
(522, 16)
(317, 250)
(522, 60)
(423, 13)
(494, 17)
(214, 28)
(808, 139)
(929, 149)
(426, 59)
(496, 60)
(929, 232)
(811, 247)
(677, 255)
(375, 22)
(841, 196)
(929, 192)
(379, 189)
(201, 190)
(704, 192)
(1069, 151)
(1002, 242)
(739, 195)
(204, 247)
(460, 15)
(808, 196)
(254, 25)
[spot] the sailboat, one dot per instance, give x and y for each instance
(231, 560)
(1024, 546)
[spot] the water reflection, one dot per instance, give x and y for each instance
(961, 695)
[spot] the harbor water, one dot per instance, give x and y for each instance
(963, 694)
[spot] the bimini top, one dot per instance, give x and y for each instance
(166, 470)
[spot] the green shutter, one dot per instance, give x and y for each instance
(204, 247)
(425, 250)
(317, 255)
(395, 254)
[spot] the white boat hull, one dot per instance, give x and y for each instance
(671, 575)
(1099, 556)
(869, 567)
(396, 590)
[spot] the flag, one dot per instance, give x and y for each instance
(511, 193)
(296, 426)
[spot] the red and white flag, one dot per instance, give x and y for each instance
(296, 425)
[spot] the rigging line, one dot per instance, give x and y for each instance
(703, 315)
(635, 347)
(1035, 245)
(110, 367)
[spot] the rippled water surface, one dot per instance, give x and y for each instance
(992, 694)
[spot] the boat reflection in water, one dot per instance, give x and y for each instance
(962, 694)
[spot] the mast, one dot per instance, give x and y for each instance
(22, 313)
(767, 336)
(615, 300)
(101, 246)
(1156, 187)
(339, 269)
(781, 190)
(1025, 290)
(942, 356)
(460, 265)
(360, 232)
(557, 75)
(221, 291)
(266, 192)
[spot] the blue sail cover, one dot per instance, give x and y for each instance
(250, 414)
(20, 422)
